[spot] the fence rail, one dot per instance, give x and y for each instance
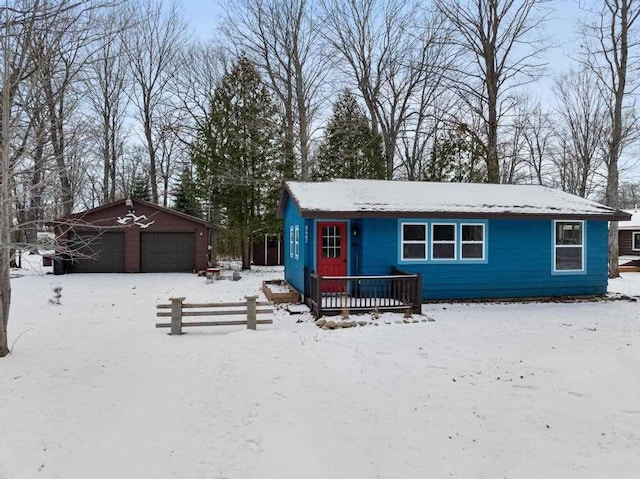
(395, 292)
(178, 306)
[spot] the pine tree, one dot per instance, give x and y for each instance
(456, 156)
(140, 189)
(237, 155)
(185, 196)
(350, 149)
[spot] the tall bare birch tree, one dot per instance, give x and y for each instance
(500, 40)
(612, 52)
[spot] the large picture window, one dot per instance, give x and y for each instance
(569, 246)
(414, 241)
(472, 243)
(635, 238)
(443, 241)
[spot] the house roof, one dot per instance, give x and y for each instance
(633, 223)
(342, 198)
(82, 214)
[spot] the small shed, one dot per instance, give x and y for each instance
(268, 250)
(133, 236)
(629, 235)
(457, 240)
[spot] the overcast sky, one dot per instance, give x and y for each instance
(561, 28)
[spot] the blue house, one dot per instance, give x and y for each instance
(389, 242)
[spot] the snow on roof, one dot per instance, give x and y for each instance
(371, 197)
(633, 223)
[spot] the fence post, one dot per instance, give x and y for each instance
(176, 315)
(251, 312)
(319, 295)
(417, 307)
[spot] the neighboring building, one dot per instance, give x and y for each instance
(133, 236)
(465, 241)
(268, 250)
(629, 235)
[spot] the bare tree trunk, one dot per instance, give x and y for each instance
(5, 209)
(607, 55)
(493, 163)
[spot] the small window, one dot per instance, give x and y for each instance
(443, 242)
(290, 241)
(414, 241)
(331, 242)
(636, 241)
(569, 246)
(472, 241)
(296, 245)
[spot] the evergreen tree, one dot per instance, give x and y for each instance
(456, 156)
(350, 149)
(237, 155)
(185, 196)
(140, 189)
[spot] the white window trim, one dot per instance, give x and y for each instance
(483, 242)
(403, 242)
(297, 242)
(454, 242)
(633, 240)
(290, 241)
(582, 246)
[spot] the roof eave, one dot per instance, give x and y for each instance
(318, 214)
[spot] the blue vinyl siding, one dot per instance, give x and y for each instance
(294, 267)
(519, 262)
(518, 257)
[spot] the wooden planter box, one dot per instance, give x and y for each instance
(279, 291)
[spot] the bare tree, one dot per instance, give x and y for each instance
(60, 51)
(583, 123)
(433, 118)
(282, 39)
(41, 51)
(499, 40)
(193, 85)
(153, 47)
(106, 83)
(540, 141)
(611, 52)
(385, 48)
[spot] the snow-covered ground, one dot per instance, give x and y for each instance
(94, 390)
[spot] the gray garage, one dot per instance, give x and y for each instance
(98, 253)
(166, 251)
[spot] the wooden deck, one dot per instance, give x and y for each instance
(632, 266)
(399, 291)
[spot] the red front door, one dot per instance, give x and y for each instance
(332, 254)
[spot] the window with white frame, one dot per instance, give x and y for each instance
(297, 242)
(414, 241)
(569, 246)
(635, 241)
(472, 242)
(443, 241)
(290, 241)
